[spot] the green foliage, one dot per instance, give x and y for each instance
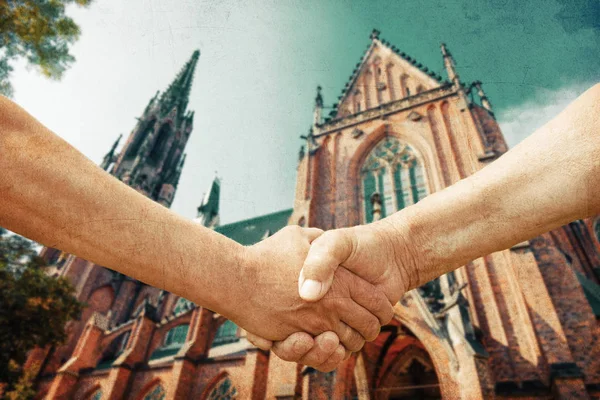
(38, 31)
(34, 307)
(24, 388)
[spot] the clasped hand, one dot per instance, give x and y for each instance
(340, 308)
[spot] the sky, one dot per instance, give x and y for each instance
(261, 61)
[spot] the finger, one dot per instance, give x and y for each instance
(333, 361)
(294, 347)
(326, 253)
(351, 339)
(259, 342)
(359, 319)
(312, 233)
(325, 346)
(347, 355)
(368, 296)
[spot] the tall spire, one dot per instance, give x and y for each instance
(151, 160)
(178, 92)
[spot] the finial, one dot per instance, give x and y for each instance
(375, 34)
(485, 102)
(445, 51)
(319, 98)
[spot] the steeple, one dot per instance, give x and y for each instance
(152, 158)
(208, 211)
(178, 92)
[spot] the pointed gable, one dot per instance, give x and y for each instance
(383, 74)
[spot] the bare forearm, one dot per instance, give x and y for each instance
(51, 193)
(551, 178)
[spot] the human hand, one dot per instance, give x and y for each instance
(273, 310)
(377, 253)
(324, 352)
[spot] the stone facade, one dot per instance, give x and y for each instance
(519, 323)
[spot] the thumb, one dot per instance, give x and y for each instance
(326, 253)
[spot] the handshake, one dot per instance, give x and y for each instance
(315, 297)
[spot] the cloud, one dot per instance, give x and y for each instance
(521, 120)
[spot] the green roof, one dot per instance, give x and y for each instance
(254, 230)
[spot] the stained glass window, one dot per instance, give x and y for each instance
(174, 340)
(393, 171)
(223, 390)
(177, 335)
(157, 393)
(227, 333)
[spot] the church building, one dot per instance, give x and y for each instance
(522, 323)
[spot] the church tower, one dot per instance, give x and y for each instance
(152, 158)
(151, 162)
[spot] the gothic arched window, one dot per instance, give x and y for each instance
(157, 393)
(174, 340)
(227, 333)
(177, 335)
(223, 390)
(134, 148)
(392, 178)
(159, 144)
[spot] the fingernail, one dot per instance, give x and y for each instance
(310, 289)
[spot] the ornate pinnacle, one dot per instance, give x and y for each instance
(319, 98)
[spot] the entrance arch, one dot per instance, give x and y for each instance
(408, 360)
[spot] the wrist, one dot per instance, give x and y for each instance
(217, 280)
(404, 247)
(242, 278)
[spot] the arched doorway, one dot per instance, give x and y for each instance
(396, 366)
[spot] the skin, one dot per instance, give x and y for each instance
(54, 195)
(548, 180)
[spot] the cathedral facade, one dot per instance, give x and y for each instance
(519, 323)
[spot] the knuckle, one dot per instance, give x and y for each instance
(388, 316)
(369, 327)
(355, 342)
(385, 309)
(372, 331)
